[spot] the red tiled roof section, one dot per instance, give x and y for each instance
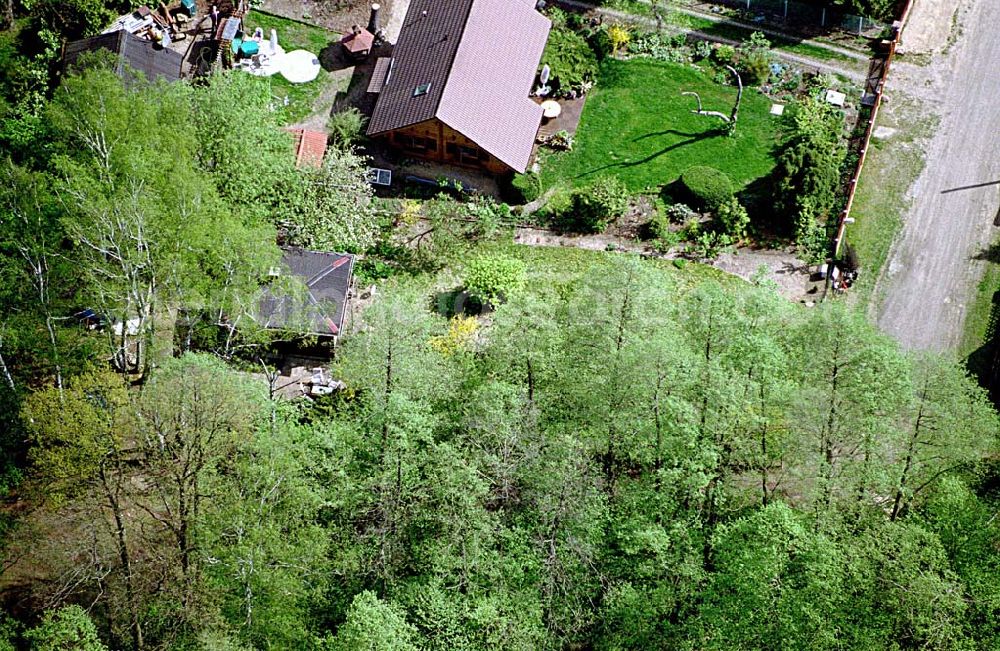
(479, 58)
(487, 97)
(310, 147)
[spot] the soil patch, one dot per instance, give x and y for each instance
(928, 28)
(337, 15)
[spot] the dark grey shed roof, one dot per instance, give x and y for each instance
(478, 60)
(137, 53)
(319, 304)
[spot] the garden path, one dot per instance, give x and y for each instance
(769, 31)
(854, 74)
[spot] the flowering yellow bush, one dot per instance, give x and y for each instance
(619, 35)
(461, 331)
(410, 211)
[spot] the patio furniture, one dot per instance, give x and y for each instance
(249, 48)
(299, 66)
(551, 109)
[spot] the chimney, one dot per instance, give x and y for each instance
(373, 23)
(356, 29)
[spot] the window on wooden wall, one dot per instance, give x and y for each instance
(466, 155)
(414, 143)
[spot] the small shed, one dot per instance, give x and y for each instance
(310, 147)
(358, 43)
(133, 52)
(315, 302)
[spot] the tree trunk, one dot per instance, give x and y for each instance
(124, 557)
(7, 14)
(6, 372)
(827, 442)
(763, 452)
(904, 478)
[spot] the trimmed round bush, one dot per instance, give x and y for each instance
(494, 277)
(599, 204)
(707, 188)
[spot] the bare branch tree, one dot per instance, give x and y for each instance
(734, 115)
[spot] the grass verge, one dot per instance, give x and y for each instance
(637, 126)
(980, 313)
(295, 35)
(893, 164)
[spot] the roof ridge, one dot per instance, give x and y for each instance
(121, 45)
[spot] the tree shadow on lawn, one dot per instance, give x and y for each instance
(691, 139)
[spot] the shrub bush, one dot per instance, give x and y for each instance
(673, 49)
(558, 204)
(754, 59)
(494, 277)
(599, 204)
(733, 218)
(724, 54)
(345, 127)
(661, 226)
(528, 186)
(706, 187)
(570, 58)
(702, 50)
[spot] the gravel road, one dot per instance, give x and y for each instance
(932, 269)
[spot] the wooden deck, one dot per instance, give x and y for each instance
(567, 121)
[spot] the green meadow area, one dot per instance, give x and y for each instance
(637, 126)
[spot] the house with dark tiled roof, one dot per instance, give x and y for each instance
(457, 86)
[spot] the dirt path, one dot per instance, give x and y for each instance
(854, 74)
(770, 31)
(790, 275)
(932, 269)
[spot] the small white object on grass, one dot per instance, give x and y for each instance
(836, 98)
(299, 66)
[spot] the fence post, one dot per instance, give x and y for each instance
(786, 8)
(748, 5)
(861, 25)
(822, 21)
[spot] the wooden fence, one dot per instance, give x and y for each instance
(878, 73)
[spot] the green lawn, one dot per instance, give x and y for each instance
(294, 35)
(636, 125)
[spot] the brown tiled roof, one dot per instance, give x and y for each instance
(360, 41)
(310, 147)
(480, 58)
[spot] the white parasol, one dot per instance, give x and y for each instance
(299, 66)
